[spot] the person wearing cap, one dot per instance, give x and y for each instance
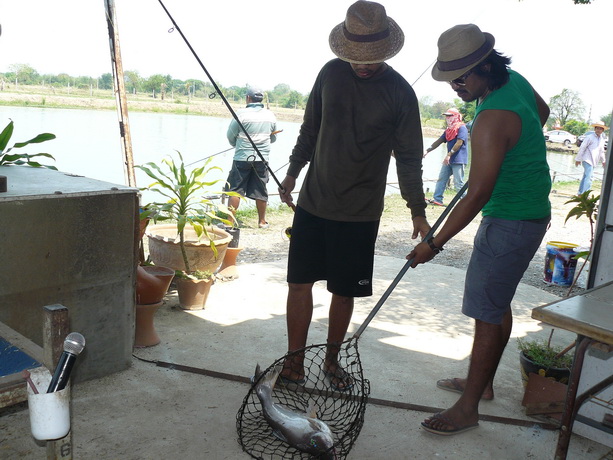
(456, 138)
(358, 112)
(509, 184)
(249, 174)
(591, 152)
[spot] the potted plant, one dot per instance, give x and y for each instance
(191, 244)
(538, 356)
(194, 288)
(586, 205)
(9, 159)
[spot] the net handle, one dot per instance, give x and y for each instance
(407, 265)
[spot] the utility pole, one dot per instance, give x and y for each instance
(120, 93)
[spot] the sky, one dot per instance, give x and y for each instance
(555, 44)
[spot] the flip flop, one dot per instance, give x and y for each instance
(446, 421)
(287, 381)
(344, 382)
(454, 386)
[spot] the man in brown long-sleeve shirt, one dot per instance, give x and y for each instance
(359, 111)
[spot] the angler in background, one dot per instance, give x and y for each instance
(456, 138)
(249, 174)
(510, 183)
(358, 112)
(591, 152)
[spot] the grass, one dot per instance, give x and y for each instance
(544, 355)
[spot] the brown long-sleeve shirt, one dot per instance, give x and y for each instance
(350, 128)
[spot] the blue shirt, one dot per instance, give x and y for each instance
(461, 156)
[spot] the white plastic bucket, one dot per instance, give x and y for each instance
(560, 263)
(49, 412)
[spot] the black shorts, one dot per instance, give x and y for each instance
(340, 252)
(249, 178)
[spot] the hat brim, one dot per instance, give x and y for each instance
(598, 125)
(448, 75)
(367, 52)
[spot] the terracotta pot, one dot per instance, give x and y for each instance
(152, 282)
(193, 293)
(228, 268)
(143, 226)
(145, 334)
(164, 248)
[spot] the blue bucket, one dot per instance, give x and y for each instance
(560, 263)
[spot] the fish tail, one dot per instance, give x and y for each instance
(267, 383)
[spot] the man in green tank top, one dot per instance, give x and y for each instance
(509, 183)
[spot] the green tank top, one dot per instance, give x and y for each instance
(523, 185)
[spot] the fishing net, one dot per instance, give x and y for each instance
(343, 411)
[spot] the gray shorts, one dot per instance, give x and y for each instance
(502, 252)
(249, 178)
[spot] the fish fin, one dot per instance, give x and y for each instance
(279, 435)
(312, 409)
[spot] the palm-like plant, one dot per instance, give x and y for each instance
(587, 205)
(186, 204)
(7, 158)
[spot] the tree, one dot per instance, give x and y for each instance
(25, 74)
(606, 119)
(295, 99)
(566, 105)
(154, 83)
(105, 81)
(132, 81)
(576, 127)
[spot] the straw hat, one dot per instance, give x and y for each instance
(367, 36)
(599, 124)
(460, 49)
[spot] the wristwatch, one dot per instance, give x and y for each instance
(432, 246)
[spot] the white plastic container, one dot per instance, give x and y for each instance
(49, 412)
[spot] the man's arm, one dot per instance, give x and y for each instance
(494, 133)
(232, 133)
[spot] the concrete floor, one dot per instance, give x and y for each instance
(418, 337)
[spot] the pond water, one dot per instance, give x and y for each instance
(88, 144)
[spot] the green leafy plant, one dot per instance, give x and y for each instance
(586, 205)
(543, 354)
(7, 158)
(195, 275)
(186, 203)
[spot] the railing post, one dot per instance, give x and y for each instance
(56, 326)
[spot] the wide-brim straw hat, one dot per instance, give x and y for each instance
(599, 124)
(367, 36)
(460, 49)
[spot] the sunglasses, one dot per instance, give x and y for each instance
(461, 81)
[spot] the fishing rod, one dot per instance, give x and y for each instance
(223, 98)
(210, 156)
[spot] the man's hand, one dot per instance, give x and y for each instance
(421, 254)
(577, 163)
(420, 227)
(285, 193)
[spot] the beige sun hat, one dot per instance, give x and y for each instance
(460, 49)
(367, 36)
(599, 124)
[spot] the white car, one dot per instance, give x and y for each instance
(563, 137)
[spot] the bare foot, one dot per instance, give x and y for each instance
(457, 385)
